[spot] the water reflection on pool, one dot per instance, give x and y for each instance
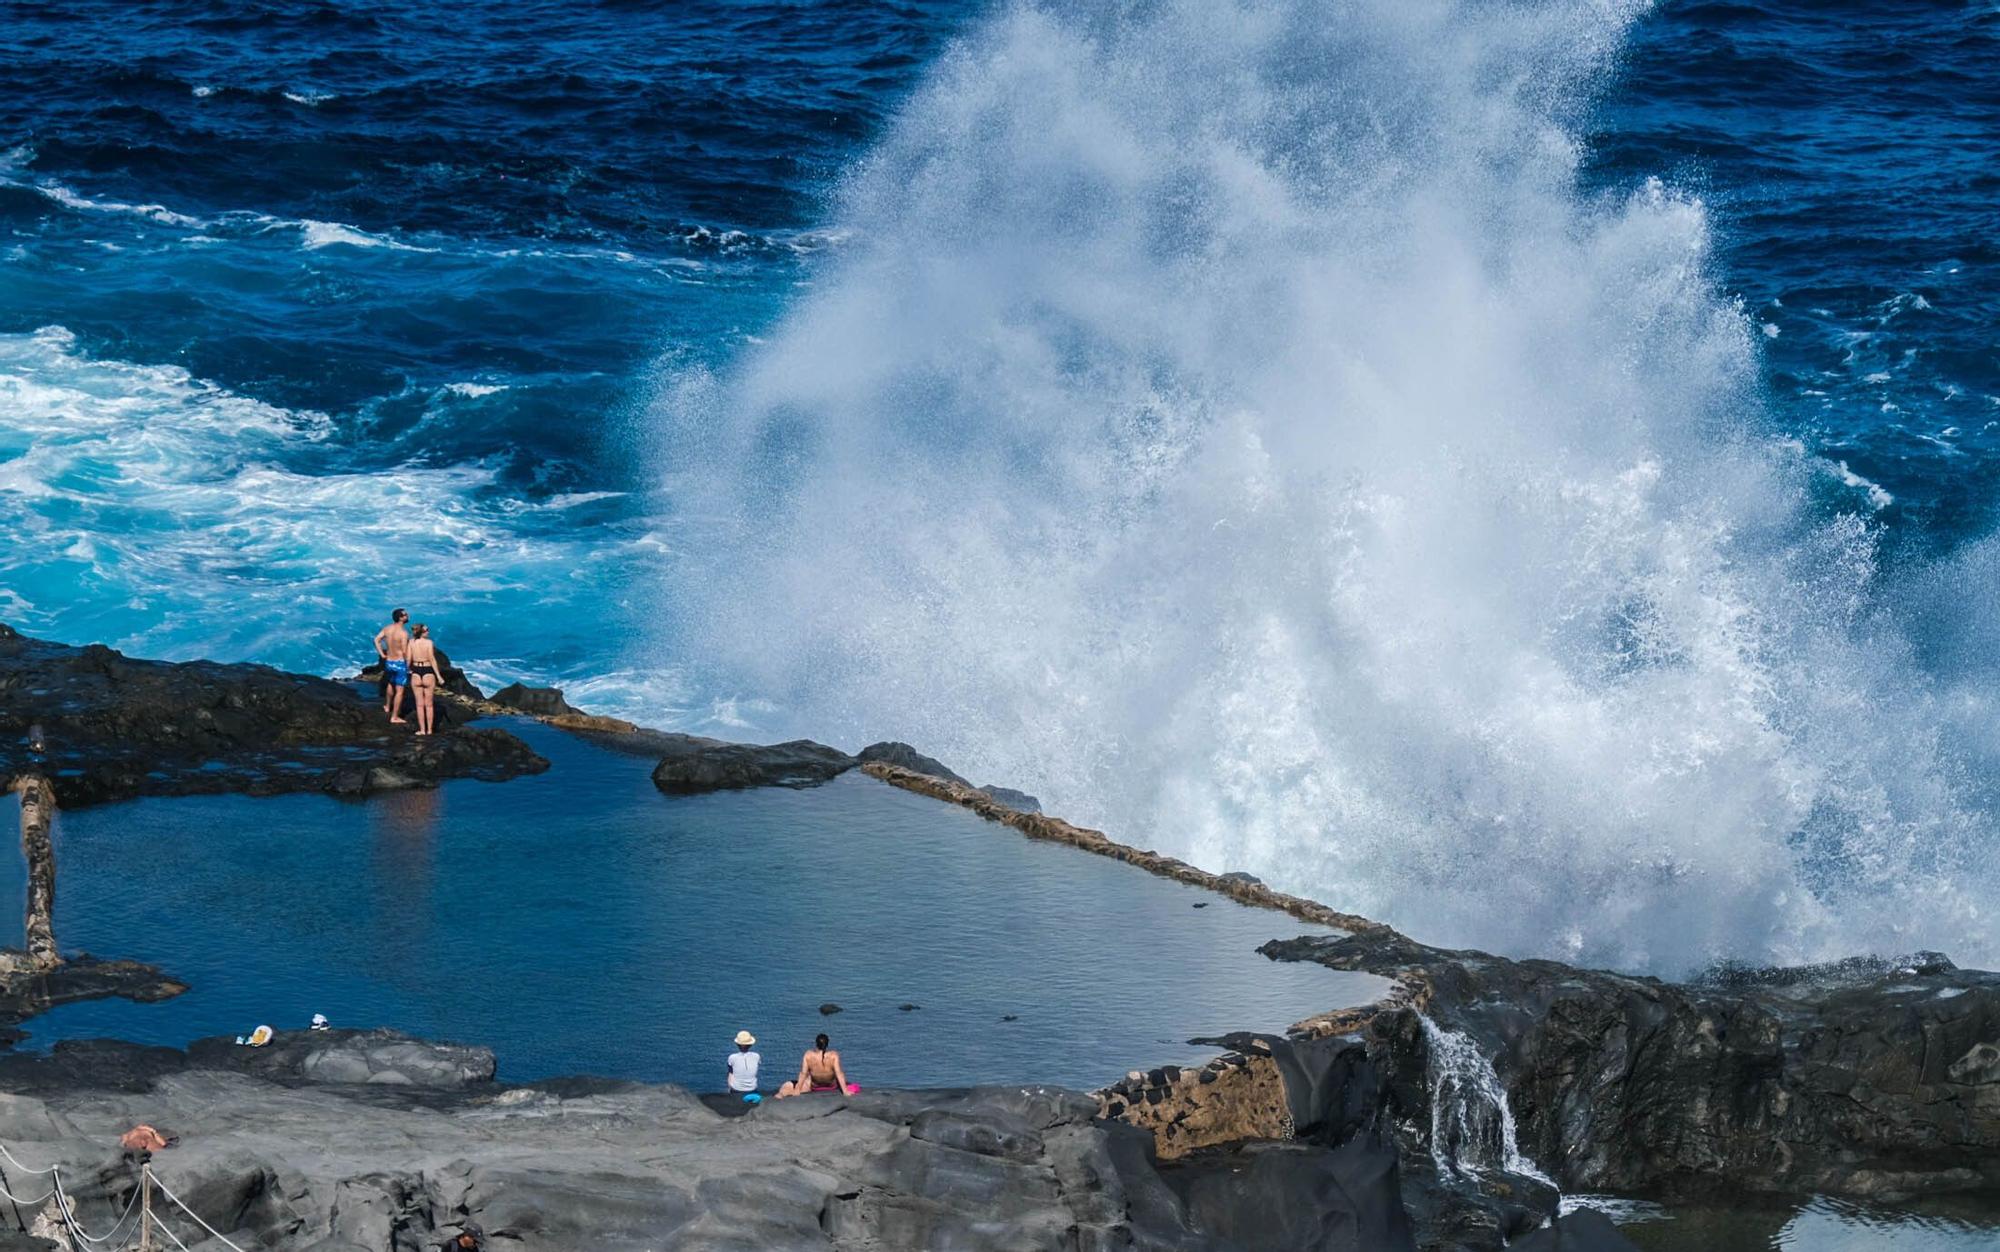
(581, 922)
(1823, 1224)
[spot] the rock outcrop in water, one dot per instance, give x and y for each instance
(103, 726)
(702, 765)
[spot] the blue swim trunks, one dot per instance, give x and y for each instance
(397, 672)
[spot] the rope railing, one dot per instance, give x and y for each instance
(82, 1240)
(168, 1231)
(67, 1206)
(199, 1220)
(16, 1162)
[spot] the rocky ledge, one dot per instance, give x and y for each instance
(101, 726)
(335, 1142)
(1877, 1079)
(690, 765)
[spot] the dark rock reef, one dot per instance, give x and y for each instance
(103, 726)
(701, 765)
(1873, 1079)
(903, 756)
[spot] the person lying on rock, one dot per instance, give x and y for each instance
(819, 1070)
(742, 1066)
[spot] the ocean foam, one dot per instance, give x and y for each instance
(1230, 423)
(73, 200)
(175, 518)
(330, 234)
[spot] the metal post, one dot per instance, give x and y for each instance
(145, 1206)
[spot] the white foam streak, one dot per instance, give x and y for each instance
(330, 234)
(154, 212)
(1229, 423)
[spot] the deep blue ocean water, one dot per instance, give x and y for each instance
(305, 309)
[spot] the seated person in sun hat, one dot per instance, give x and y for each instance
(742, 1066)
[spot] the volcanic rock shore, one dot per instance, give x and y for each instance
(100, 725)
(1446, 1115)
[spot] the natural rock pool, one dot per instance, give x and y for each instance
(580, 922)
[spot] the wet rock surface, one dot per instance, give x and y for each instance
(694, 765)
(905, 757)
(1863, 1079)
(103, 726)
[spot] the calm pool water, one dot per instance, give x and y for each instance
(1949, 1224)
(581, 922)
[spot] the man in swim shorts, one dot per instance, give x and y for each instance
(392, 644)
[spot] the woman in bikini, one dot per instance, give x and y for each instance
(424, 676)
(819, 1070)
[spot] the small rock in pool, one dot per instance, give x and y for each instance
(829, 1009)
(1009, 1017)
(908, 1008)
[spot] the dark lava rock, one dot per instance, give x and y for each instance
(903, 756)
(1013, 799)
(112, 727)
(1237, 875)
(537, 701)
(384, 1057)
(451, 677)
(829, 1009)
(702, 765)
(1298, 1198)
(24, 995)
(907, 757)
(1875, 1079)
(1585, 1230)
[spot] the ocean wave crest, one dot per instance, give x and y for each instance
(1232, 424)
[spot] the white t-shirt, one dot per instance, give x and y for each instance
(743, 1071)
